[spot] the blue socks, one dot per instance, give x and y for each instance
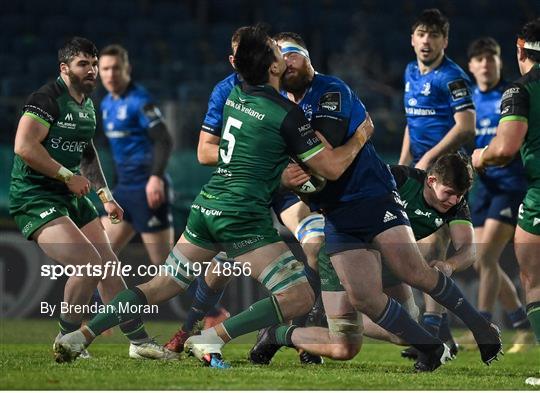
(396, 320)
(205, 299)
(450, 296)
(518, 318)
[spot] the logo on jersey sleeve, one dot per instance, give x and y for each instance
(330, 101)
(458, 89)
(509, 93)
(152, 112)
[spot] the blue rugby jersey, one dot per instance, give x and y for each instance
(512, 176)
(126, 121)
(335, 111)
(214, 115)
(430, 103)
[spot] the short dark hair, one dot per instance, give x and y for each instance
(235, 39)
(453, 170)
(483, 45)
(288, 35)
(433, 19)
(254, 55)
(531, 33)
(75, 46)
(116, 50)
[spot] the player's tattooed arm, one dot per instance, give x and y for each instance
(91, 167)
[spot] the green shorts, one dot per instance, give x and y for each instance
(330, 280)
(529, 212)
(236, 233)
(38, 211)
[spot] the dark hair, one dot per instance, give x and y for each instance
(116, 50)
(531, 33)
(287, 35)
(434, 20)
(254, 55)
(453, 170)
(75, 46)
(235, 39)
(483, 45)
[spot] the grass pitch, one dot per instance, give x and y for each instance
(27, 363)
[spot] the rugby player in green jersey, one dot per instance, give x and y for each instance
(432, 199)
(261, 129)
(519, 131)
(307, 226)
(55, 166)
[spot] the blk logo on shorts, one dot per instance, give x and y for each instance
(47, 212)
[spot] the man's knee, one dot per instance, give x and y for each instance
(345, 351)
(299, 299)
(348, 329)
(284, 277)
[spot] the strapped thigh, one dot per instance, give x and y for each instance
(283, 273)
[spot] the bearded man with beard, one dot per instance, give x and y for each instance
(364, 222)
(55, 166)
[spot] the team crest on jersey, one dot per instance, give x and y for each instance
(412, 101)
(426, 89)
(458, 89)
(308, 111)
(330, 101)
(121, 113)
(439, 221)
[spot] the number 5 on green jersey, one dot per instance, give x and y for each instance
(229, 137)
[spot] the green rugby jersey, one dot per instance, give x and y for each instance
(521, 102)
(261, 129)
(424, 219)
(71, 128)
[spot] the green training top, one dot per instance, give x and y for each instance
(261, 130)
(424, 219)
(71, 128)
(521, 102)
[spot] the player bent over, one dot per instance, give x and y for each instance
(231, 212)
(432, 200)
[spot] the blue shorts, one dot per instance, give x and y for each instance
(138, 213)
(354, 225)
(496, 204)
(282, 200)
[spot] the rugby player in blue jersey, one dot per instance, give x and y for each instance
(364, 219)
(499, 192)
(440, 119)
(294, 214)
(141, 145)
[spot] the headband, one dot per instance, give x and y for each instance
(528, 45)
(292, 47)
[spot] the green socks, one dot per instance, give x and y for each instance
(264, 313)
(123, 308)
(283, 335)
(67, 327)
